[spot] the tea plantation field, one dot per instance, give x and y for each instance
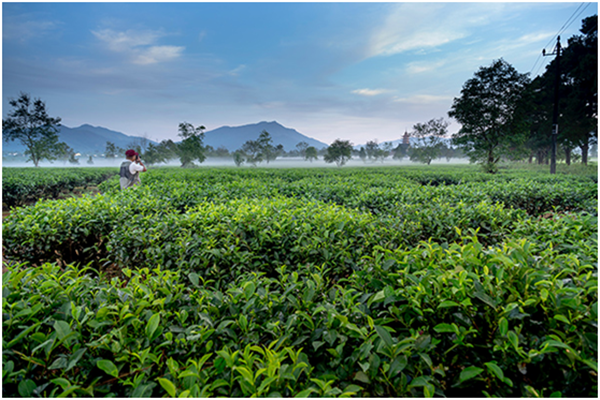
(318, 282)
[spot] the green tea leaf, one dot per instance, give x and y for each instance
(249, 288)
(26, 387)
(152, 325)
(305, 393)
(495, 369)
(513, 339)
(194, 278)
(448, 303)
(384, 335)
(562, 318)
(443, 327)
(503, 326)
(108, 367)
(469, 373)
(168, 386)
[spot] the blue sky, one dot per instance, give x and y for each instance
(354, 71)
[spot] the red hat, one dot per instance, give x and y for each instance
(130, 153)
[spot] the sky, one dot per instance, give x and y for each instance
(350, 71)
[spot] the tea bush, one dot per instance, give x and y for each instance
(20, 185)
(379, 282)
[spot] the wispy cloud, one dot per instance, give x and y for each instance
(21, 28)
(139, 45)
(423, 99)
(421, 67)
(236, 71)
(410, 26)
(370, 92)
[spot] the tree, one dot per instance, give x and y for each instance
(30, 124)
(64, 152)
(428, 145)
(578, 125)
(311, 154)
(238, 157)
(339, 152)
(191, 148)
(161, 153)
(269, 152)
(383, 152)
(372, 148)
(362, 154)
(90, 160)
(487, 110)
(302, 146)
(111, 150)
(252, 151)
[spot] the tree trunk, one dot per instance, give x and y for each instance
(585, 148)
(530, 158)
(568, 155)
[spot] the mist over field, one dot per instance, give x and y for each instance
(286, 162)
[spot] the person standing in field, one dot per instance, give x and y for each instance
(130, 170)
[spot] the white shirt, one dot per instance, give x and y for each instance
(133, 168)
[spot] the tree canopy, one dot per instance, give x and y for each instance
(339, 152)
(191, 148)
(488, 110)
(29, 123)
(429, 142)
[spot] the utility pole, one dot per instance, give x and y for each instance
(555, 112)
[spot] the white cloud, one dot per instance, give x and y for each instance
(22, 29)
(236, 71)
(156, 54)
(418, 26)
(421, 67)
(139, 45)
(423, 99)
(370, 92)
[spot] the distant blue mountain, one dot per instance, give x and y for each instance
(233, 138)
(85, 139)
(88, 139)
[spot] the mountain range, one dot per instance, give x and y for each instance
(88, 139)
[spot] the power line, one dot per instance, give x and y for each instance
(567, 23)
(580, 12)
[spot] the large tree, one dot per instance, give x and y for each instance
(191, 148)
(339, 152)
(488, 110)
(311, 153)
(29, 123)
(578, 124)
(428, 145)
(161, 153)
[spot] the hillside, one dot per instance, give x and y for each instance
(232, 138)
(86, 139)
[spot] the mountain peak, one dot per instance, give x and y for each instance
(233, 138)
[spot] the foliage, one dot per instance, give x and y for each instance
(22, 185)
(579, 88)
(238, 157)
(378, 282)
(487, 110)
(111, 150)
(160, 153)
(191, 148)
(429, 140)
(311, 154)
(339, 152)
(29, 123)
